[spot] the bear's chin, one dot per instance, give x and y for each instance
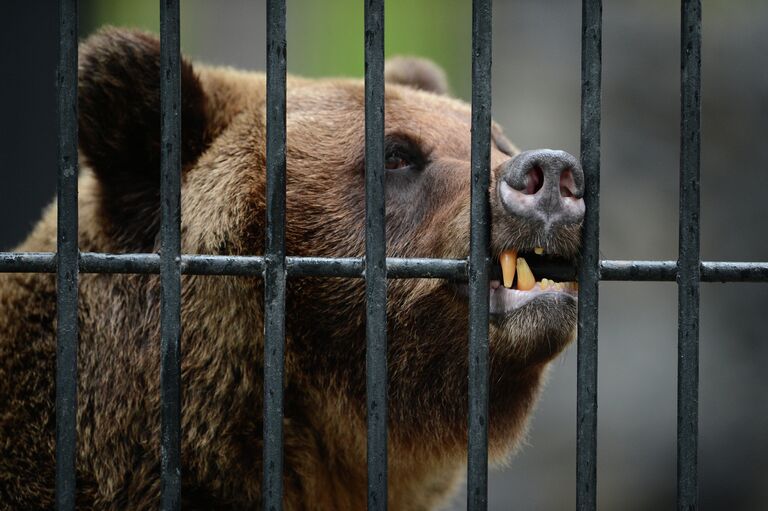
(535, 332)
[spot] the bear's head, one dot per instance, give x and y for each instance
(535, 202)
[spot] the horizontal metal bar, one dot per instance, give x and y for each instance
(451, 269)
(638, 270)
(734, 272)
(91, 262)
(397, 268)
(350, 267)
(222, 265)
(666, 271)
(28, 262)
(353, 267)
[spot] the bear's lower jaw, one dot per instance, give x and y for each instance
(535, 332)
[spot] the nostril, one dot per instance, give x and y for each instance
(567, 183)
(534, 181)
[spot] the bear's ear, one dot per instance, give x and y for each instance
(119, 123)
(416, 72)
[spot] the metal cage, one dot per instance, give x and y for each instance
(275, 267)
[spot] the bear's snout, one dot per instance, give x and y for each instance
(544, 186)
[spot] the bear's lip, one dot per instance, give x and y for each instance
(502, 301)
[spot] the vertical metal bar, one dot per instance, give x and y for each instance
(688, 271)
(589, 269)
(375, 257)
(67, 260)
(170, 252)
(274, 272)
(479, 258)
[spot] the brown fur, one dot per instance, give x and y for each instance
(118, 465)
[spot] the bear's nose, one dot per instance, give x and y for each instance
(543, 185)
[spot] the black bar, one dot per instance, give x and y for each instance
(375, 257)
(638, 271)
(734, 272)
(350, 267)
(67, 261)
(479, 258)
(222, 265)
(689, 268)
(275, 266)
(659, 271)
(123, 263)
(353, 267)
(589, 270)
(170, 252)
(397, 268)
(28, 262)
(427, 268)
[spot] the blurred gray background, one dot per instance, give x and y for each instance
(536, 92)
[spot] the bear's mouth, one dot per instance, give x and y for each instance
(519, 278)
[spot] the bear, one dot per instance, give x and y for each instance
(536, 208)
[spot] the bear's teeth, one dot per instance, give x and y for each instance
(508, 260)
(538, 250)
(525, 278)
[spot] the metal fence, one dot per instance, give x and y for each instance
(275, 267)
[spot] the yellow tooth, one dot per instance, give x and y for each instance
(538, 250)
(558, 286)
(508, 261)
(544, 284)
(525, 278)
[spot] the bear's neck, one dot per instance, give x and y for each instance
(328, 458)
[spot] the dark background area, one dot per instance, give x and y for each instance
(536, 84)
(28, 110)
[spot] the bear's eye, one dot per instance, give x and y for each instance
(402, 154)
(396, 160)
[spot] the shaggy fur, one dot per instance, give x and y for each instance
(427, 213)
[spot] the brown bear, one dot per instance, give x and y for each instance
(536, 207)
